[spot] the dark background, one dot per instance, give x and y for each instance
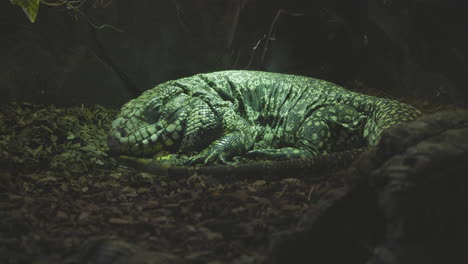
(416, 48)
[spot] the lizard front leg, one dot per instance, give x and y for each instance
(238, 137)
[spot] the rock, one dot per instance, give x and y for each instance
(405, 202)
(423, 191)
(337, 230)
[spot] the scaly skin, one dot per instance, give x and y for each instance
(211, 118)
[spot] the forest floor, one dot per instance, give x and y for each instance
(60, 191)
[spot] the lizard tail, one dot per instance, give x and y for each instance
(310, 168)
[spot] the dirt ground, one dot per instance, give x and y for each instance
(59, 189)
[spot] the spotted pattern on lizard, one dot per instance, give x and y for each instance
(213, 117)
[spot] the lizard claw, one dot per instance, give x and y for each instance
(206, 158)
(195, 160)
(215, 158)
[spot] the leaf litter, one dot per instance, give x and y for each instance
(63, 199)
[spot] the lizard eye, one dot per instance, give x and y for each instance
(154, 106)
(153, 111)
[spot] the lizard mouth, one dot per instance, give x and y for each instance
(145, 141)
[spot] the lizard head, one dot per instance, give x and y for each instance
(150, 124)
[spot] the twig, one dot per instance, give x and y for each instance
(282, 191)
(70, 5)
(272, 27)
(311, 191)
(95, 26)
(179, 16)
(254, 51)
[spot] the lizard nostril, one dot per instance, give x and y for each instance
(123, 132)
(114, 144)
